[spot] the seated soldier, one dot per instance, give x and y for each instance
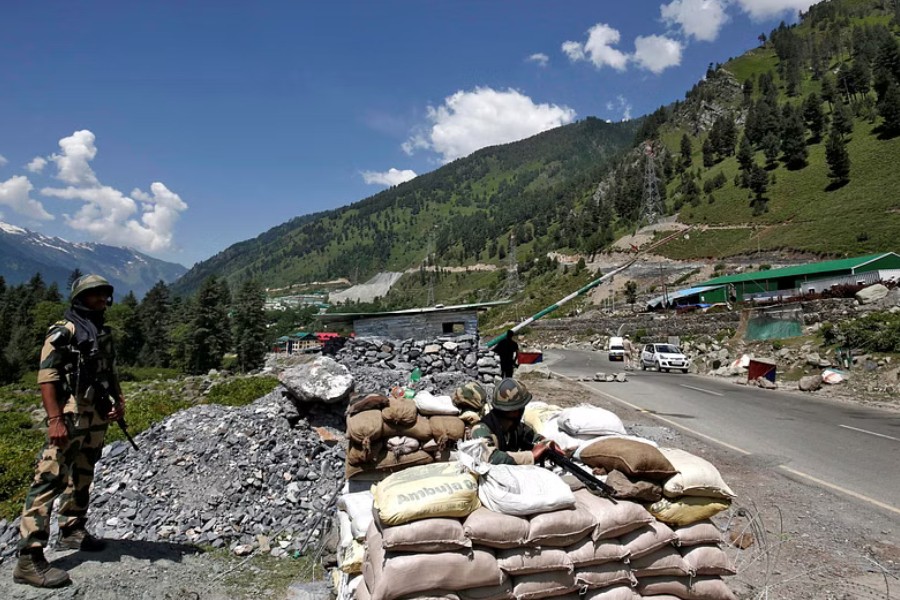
(511, 441)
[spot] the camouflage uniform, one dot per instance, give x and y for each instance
(511, 447)
(69, 470)
(470, 396)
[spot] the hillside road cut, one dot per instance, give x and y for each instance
(848, 449)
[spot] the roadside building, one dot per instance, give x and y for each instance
(414, 323)
(300, 341)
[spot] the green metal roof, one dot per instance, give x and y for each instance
(818, 268)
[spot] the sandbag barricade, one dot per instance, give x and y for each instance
(381, 430)
(656, 541)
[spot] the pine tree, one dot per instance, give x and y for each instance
(250, 326)
(709, 153)
(686, 151)
(759, 182)
(210, 331)
(889, 110)
(124, 319)
(841, 118)
(793, 144)
(747, 90)
(745, 160)
(154, 320)
(837, 157)
(75, 274)
(813, 115)
(829, 90)
(771, 147)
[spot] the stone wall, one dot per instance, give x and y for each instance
(460, 354)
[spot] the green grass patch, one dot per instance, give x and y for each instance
(240, 391)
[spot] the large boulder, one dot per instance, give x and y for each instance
(810, 383)
(323, 380)
(872, 293)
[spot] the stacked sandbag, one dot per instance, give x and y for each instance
(390, 433)
(416, 545)
(696, 492)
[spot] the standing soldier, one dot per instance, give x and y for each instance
(508, 351)
(629, 353)
(81, 394)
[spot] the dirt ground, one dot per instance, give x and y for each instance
(806, 543)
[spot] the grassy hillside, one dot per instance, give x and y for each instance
(804, 212)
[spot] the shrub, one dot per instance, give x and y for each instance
(20, 442)
(240, 391)
(875, 332)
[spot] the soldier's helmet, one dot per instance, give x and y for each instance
(469, 396)
(89, 282)
(511, 394)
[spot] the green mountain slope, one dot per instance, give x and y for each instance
(847, 45)
(463, 211)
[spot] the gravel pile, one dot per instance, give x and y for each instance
(242, 478)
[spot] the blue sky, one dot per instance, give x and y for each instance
(180, 128)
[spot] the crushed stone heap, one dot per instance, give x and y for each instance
(220, 476)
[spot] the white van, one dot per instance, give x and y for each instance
(616, 348)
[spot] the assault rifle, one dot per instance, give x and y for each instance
(61, 340)
(568, 465)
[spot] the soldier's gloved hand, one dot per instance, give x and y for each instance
(57, 431)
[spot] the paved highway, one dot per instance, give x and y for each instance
(851, 449)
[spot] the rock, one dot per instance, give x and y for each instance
(323, 380)
(765, 384)
(871, 294)
(600, 376)
(536, 370)
(810, 383)
(814, 360)
(450, 346)
(610, 377)
(263, 543)
(242, 549)
(621, 377)
(432, 349)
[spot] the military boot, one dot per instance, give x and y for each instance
(78, 538)
(33, 569)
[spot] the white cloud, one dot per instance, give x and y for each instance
(598, 48)
(37, 164)
(468, 121)
(14, 193)
(621, 104)
(144, 221)
(657, 53)
(78, 150)
(3, 160)
(700, 19)
(766, 9)
(389, 177)
(539, 58)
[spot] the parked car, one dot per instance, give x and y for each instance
(664, 357)
(616, 348)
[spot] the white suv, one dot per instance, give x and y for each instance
(664, 357)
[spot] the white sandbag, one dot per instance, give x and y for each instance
(428, 404)
(590, 420)
(345, 529)
(351, 559)
(523, 490)
(358, 507)
(552, 432)
(696, 477)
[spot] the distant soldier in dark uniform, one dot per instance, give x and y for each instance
(81, 394)
(511, 441)
(508, 351)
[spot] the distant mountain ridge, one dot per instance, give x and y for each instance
(24, 253)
